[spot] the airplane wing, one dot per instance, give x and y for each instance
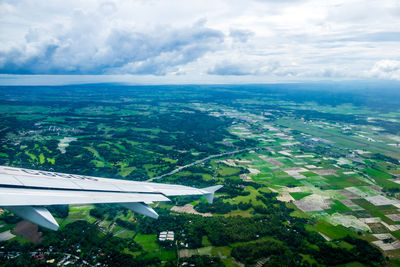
(25, 192)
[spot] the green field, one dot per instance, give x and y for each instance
(299, 195)
(320, 159)
(152, 249)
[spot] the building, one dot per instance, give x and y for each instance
(166, 236)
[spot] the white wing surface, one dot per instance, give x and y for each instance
(24, 192)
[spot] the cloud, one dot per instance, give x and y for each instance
(155, 54)
(227, 68)
(83, 50)
(108, 8)
(386, 69)
(244, 67)
(202, 40)
(240, 35)
(381, 36)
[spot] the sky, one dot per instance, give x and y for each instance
(188, 41)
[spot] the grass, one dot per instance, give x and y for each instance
(98, 163)
(299, 195)
(205, 242)
(394, 262)
(309, 174)
(344, 244)
(297, 212)
(278, 178)
(164, 255)
(334, 232)
(42, 158)
(119, 146)
(227, 171)
(125, 169)
(381, 178)
(245, 199)
(206, 177)
(377, 173)
(105, 224)
(151, 247)
(76, 208)
(340, 182)
(122, 232)
(32, 156)
(309, 259)
(241, 213)
(169, 160)
(338, 206)
(148, 242)
(226, 253)
(205, 250)
(386, 183)
(150, 169)
(78, 213)
(95, 153)
(259, 240)
(352, 264)
(396, 234)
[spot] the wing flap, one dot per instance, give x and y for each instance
(44, 182)
(41, 197)
(6, 179)
(54, 180)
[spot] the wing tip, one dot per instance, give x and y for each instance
(210, 191)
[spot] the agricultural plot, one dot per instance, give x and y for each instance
(344, 205)
(315, 158)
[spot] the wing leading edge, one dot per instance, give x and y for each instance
(25, 192)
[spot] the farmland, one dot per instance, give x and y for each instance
(308, 172)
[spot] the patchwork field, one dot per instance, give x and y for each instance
(297, 172)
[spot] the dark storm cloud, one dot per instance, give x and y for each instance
(125, 51)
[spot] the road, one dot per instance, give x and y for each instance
(202, 160)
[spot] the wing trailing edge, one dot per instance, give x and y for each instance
(25, 192)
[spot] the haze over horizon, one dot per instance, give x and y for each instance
(155, 42)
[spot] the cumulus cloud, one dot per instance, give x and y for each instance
(155, 54)
(200, 40)
(83, 50)
(386, 69)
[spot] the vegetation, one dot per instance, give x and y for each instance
(137, 133)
